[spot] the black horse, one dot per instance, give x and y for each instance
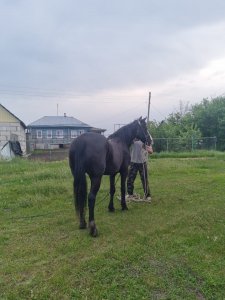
(96, 155)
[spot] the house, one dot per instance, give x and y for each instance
(52, 132)
(11, 128)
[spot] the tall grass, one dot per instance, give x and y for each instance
(172, 248)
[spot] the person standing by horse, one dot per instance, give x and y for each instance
(139, 158)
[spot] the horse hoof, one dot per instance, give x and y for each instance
(93, 229)
(94, 232)
(111, 209)
(124, 208)
(83, 225)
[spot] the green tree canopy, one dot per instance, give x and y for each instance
(209, 117)
(206, 119)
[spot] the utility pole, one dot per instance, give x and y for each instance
(149, 103)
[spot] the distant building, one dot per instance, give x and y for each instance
(52, 132)
(11, 128)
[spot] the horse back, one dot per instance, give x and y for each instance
(91, 150)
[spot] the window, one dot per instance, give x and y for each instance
(49, 134)
(39, 134)
(76, 133)
(59, 134)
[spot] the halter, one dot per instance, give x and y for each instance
(151, 138)
(146, 135)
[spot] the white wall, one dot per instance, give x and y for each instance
(12, 131)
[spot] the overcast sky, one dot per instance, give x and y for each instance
(97, 60)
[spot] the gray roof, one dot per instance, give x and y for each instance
(58, 121)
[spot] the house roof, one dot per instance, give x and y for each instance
(98, 130)
(21, 122)
(58, 121)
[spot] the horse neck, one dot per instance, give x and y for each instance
(125, 134)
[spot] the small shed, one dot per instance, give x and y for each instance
(11, 128)
(11, 150)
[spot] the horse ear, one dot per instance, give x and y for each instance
(140, 119)
(144, 119)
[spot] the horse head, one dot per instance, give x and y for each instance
(142, 132)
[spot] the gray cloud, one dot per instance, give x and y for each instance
(56, 48)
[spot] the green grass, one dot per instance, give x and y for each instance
(188, 154)
(170, 249)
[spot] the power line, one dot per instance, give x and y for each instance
(120, 113)
(45, 93)
(86, 98)
(164, 117)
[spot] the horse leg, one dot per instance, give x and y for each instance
(95, 185)
(112, 192)
(123, 176)
(83, 223)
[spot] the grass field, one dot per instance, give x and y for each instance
(173, 248)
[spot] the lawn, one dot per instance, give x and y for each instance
(173, 248)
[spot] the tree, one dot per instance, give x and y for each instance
(206, 119)
(176, 132)
(209, 117)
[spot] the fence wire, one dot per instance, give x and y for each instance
(185, 144)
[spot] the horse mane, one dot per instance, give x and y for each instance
(125, 133)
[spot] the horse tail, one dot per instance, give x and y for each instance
(80, 183)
